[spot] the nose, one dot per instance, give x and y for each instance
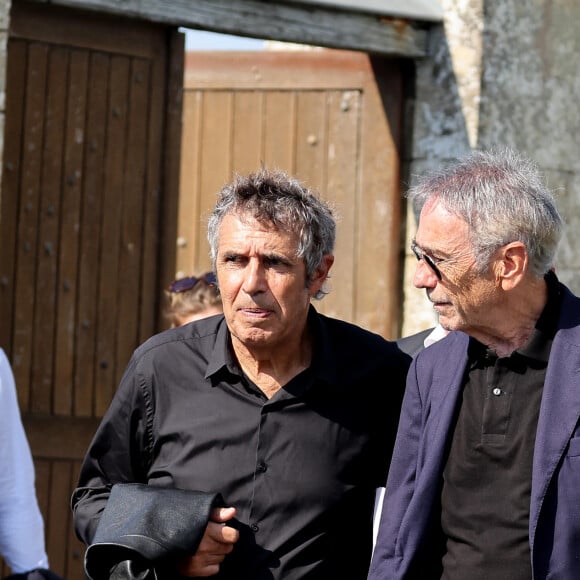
(254, 278)
(424, 276)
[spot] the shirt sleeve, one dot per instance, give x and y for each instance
(119, 452)
(21, 524)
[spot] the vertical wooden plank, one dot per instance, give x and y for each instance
(168, 87)
(343, 110)
(58, 515)
(33, 129)
(152, 212)
(377, 302)
(70, 232)
(279, 142)
(48, 228)
(134, 200)
(216, 164)
(111, 232)
(311, 139)
(247, 131)
(42, 483)
(90, 235)
(76, 549)
(189, 194)
(10, 193)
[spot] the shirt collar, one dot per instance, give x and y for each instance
(221, 356)
(323, 363)
(540, 342)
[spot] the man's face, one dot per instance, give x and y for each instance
(462, 297)
(262, 283)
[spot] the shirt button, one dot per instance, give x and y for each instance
(254, 527)
(497, 391)
(262, 467)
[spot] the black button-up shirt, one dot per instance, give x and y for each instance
(301, 468)
(487, 479)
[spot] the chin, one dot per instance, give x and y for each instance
(255, 337)
(450, 324)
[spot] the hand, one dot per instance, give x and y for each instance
(217, 542)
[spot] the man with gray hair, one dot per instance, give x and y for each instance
(485, 477)
(289, 415)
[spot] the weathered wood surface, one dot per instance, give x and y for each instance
(320, 115)
(316, 25)
(93, 109)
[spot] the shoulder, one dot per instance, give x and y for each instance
(442, 358)
(198, 336)
(569, 318)
(355, 350)
(348, 335)
(192, 333)
(414, 343)
(570, 305)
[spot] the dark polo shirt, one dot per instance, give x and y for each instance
(487, 478)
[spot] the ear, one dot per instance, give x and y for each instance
(321, 274)
(512, 265)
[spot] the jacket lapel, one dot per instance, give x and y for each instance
(443, 394)
(560, 408)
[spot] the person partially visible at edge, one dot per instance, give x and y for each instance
(413, 344)
(22, 542)
(191, 298)
(484, 481)
(288, 414)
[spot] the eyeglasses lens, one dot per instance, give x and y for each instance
(420, 255)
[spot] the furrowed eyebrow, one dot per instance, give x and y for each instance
(278, 258)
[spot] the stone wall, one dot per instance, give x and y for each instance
(530, 89)
(444, 125)
(500, 72)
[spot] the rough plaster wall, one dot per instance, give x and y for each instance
(445, 121)
(501, 72)
(530, 89)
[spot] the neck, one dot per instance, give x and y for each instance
(513, 325)
(271, 368)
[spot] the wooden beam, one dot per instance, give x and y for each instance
(52, 437)
(300, 23)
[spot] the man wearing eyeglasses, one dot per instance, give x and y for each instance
(289, 415)
(485, 477)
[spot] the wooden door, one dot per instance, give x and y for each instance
(92, 115)
(329, 117)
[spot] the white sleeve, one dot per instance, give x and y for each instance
(379, 497)
(21, 524)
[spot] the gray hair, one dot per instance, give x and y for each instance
(274, 198)
(502, 197)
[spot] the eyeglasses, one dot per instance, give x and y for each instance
(421, 255)
(185, 284)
